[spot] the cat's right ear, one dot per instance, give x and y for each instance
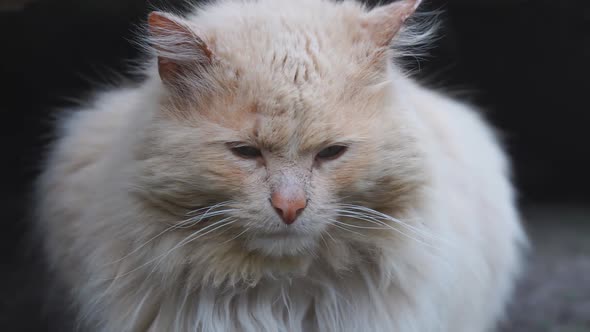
(384, 22)
(177, 46)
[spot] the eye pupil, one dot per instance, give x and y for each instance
(331, 152)
(248, 152)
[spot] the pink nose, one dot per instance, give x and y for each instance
(288, 205)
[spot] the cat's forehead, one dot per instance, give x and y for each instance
(285, 74)
(293, 66)
(291, 56)
(298, 40)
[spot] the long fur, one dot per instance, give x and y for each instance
(154, 225)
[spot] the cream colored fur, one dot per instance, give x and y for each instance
(290, 76)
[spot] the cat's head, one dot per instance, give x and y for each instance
(280, 123)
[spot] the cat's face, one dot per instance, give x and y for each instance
(312, 150)
(282, 139)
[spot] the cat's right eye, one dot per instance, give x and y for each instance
(246, 151)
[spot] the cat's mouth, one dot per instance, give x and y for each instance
(284, 233)
(281, 243)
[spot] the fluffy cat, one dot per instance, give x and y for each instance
(277, 171)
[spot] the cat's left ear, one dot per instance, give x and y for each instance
(384, 22)
(177, 46)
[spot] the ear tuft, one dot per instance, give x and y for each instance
(177, 46)
(384, 23)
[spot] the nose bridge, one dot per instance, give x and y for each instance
(288, 193)
(287, 177)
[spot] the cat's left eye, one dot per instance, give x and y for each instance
(331, 152)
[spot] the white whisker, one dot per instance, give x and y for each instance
(198, 234)
(247, 228)
(209, 208)
(379, 217)
(331, 237)
(379, 222)
(356, 226)
(197, 219)
(187, 223)
(376, 217)
(382, 215)
(346, 229)
(187, 240)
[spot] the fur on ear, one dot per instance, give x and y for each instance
(385, 22)
(177, 46)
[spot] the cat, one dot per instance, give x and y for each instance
(278, 171)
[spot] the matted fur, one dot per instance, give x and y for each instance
(436, 248)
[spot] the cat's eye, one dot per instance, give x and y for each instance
(331, 152)
(246, 152)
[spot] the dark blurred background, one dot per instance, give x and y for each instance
(523, 62)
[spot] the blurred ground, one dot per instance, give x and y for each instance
(554, 295)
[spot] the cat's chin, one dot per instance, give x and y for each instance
(282, 244)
